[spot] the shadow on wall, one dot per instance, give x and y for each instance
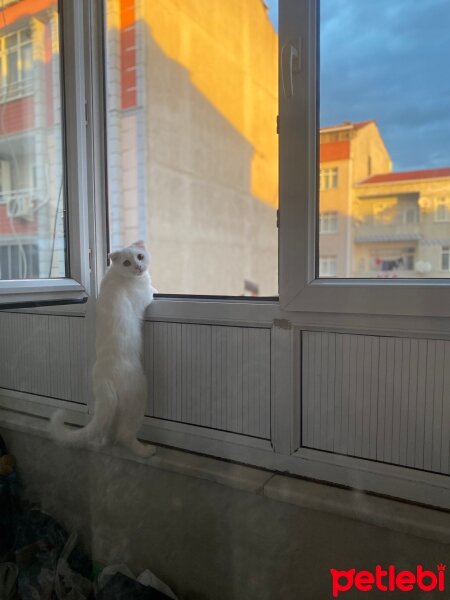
(207, 232)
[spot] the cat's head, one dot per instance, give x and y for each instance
(131, 261)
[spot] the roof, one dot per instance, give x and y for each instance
(346, 125)
(407, 176)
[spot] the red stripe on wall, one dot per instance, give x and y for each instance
(334, 151)
(20, 225)
(17, 115)
(128, 53)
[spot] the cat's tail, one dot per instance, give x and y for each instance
(72, 437)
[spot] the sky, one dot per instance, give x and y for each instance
(388, 60)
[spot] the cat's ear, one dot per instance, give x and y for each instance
(139, 244)
(113, 256)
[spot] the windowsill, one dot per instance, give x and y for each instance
(383, 512)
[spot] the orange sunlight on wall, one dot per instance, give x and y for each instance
(231, 52)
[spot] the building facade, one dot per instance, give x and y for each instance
(375, 222)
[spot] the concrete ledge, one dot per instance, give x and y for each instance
(426, 523)
(392, 514)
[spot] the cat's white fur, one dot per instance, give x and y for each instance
(120, 387)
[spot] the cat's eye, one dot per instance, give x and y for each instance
(140, 257)
(126, 263)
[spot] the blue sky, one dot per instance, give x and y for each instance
(388, 60)
(273, 11)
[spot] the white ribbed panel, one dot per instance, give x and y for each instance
(213, 376)
(43, 355)
(381, 398)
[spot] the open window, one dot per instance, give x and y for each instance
(192, 102)
(43, 247)
(362, 151)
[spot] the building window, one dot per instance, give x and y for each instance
(16, 65)
(328, 222)
(441, 210)
(327, 266)
(445, 258)
(19, 261)
(329, 178)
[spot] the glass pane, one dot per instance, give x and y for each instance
(12, 68)
(192, 143)
(26, 62)
(32, 229)
(384, 137)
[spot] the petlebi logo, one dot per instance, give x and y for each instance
(388, 579)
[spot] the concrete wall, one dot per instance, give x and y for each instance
(207, 541)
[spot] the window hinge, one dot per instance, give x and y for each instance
(90, 259)
(278, 123)
(278, 217)
(86, 120)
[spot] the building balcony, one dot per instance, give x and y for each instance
(387, 232)
(16, 90)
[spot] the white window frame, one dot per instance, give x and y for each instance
(442, 202)
(301, 290)
(75, 287)
(329, 178)
(328, 265)
(328, 222)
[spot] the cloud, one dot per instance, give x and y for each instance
(388, 61)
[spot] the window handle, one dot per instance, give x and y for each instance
(291, 62)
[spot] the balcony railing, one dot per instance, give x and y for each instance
(386, 232)
(16, 90)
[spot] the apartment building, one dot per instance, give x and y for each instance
(375, 222)
(401, 225)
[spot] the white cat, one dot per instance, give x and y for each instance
(120, 387)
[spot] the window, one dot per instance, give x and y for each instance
(31, 155)
(442, 210)
(192, 143)
(328, 222)
(379, 164)
(380, 159)
(39, 137)
(327, 266)
(19, 261)
(329, 178)
(16, 65)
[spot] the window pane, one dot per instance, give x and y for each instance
(192, 143)
(384, 136)
(32, 230)
(12, 72)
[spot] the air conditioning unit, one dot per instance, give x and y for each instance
(20, 207)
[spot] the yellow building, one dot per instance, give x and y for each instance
(349, 153)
